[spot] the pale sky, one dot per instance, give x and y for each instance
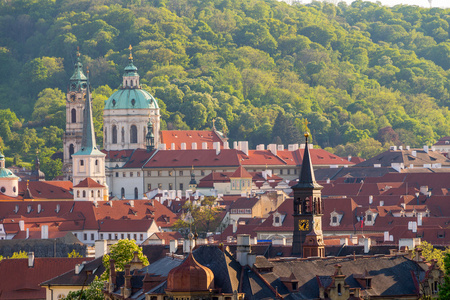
(423, 3)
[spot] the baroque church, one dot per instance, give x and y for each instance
(131, 117)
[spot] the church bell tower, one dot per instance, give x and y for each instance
(308, 208)
(75, 100)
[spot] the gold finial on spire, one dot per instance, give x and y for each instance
(131, 56)
(305, 122)
(87, 69)
(78, 51)
(28, 182)
(214, 123)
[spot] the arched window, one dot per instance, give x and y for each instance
(126, 83)
(92, 193)
(122, 193)
(339, 288)
(133, 134)
(71, 150)
(98, 193)
(84, 194)
(114, 134)
(78, 194)
(136, 193)
(74, 115)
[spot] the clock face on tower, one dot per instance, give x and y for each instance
(303, 225)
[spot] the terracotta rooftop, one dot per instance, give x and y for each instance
(18, 281)
(188, 137)
(89, 183)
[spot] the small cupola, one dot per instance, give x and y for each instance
(131, 76)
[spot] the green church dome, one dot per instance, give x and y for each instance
(131, 99)
(7, 173)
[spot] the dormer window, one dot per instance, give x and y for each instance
(335, 218)
(277, 219)
(370, 217)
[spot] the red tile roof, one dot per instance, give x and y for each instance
(81, 215)
(124, 225)
(188, 137)
(18, 281)
(89, 183)
(241, 172)
(196, 158)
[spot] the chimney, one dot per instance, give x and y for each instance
(235, 145)
(216, 146)
(183, 146)
(280, 147)
(78, 268)
(370, 199)
(414, 153)
(39, 208)
(112, 273)
(400, 148)
(22, 225)
(381, 203)
(386, 236)
(101, 248)
(366, 245)
(260, 147)
(173, 246)
(272, 148)
(226, 145)
(172, 146)
(419, 219)
(205, 146)
(243, 146)
(127, 276)
(349, 158)
(58, 208)
(28, 234)
(30, 259)
(194, 146)
(293, 147)
(243, 249)
(44, 232)
(132, 203)
(425, 148)
(162, 146)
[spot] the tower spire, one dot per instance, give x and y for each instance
(307, 207)
(88, 141)
(307, 178)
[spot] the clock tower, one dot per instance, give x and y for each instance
(307, 207)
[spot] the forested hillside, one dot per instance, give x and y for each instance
(364, 75)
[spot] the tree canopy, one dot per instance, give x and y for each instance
(352, 70)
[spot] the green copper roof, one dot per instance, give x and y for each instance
(7, 173)
(131, 99)
(130, 69)
(78, 79)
